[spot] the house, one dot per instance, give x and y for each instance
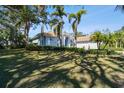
(51, 39)
(86, 42)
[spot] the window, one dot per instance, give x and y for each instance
(51, 39)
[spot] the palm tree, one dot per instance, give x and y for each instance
(75, 19)
(98, 38)
(108, 38)
(57, 27)
(7, 21)
(27, 21)
(44, 18)
(57, 21)
(119, 38)
(112, 40)
(26, 17)
(120, 7)
(22, 17)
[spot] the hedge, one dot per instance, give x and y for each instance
(102, 51)
(32, 47)
(117, 49)
(2, 47)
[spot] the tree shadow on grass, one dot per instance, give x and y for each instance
(91, 66)
(15, 68)
(117, 60)
(52, 78)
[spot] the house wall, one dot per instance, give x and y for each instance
(40, 41)
(48, 41)
(87, 45)
(35, 41)
(53, 41)
(67, 41)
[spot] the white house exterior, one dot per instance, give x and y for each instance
(86, 43)
(50, 39)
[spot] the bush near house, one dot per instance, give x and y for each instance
(15, 46)
(33, 47)
(1, 46)
(117, 49)
(102, 51)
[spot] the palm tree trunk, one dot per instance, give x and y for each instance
(75, 41)
(116, 44)
(97, 54)
(105, 45)
(120, 44)
(60, 41)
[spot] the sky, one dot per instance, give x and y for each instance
(98, 17)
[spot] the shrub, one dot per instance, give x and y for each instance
(117, 49)
(33, 47)
(109, 52)
(2, 47)
(15, 46)
(102, 51)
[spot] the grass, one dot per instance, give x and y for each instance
(21, 68)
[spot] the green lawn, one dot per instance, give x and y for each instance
(21, 68)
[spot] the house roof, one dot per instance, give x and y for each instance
(83, 38)
(49, 34)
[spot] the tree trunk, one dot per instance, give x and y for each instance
(60, 41)
(27, 28)
(105, 45)
(120, 44)
(98, 46)
(116, 44)
(25, 37)
(75, 41)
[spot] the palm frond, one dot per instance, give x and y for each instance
(55, 14)
(71, 16)
(79, 14)
(120, 7)
(53, 22)
(74, 26)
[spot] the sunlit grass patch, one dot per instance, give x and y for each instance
(21, 68)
